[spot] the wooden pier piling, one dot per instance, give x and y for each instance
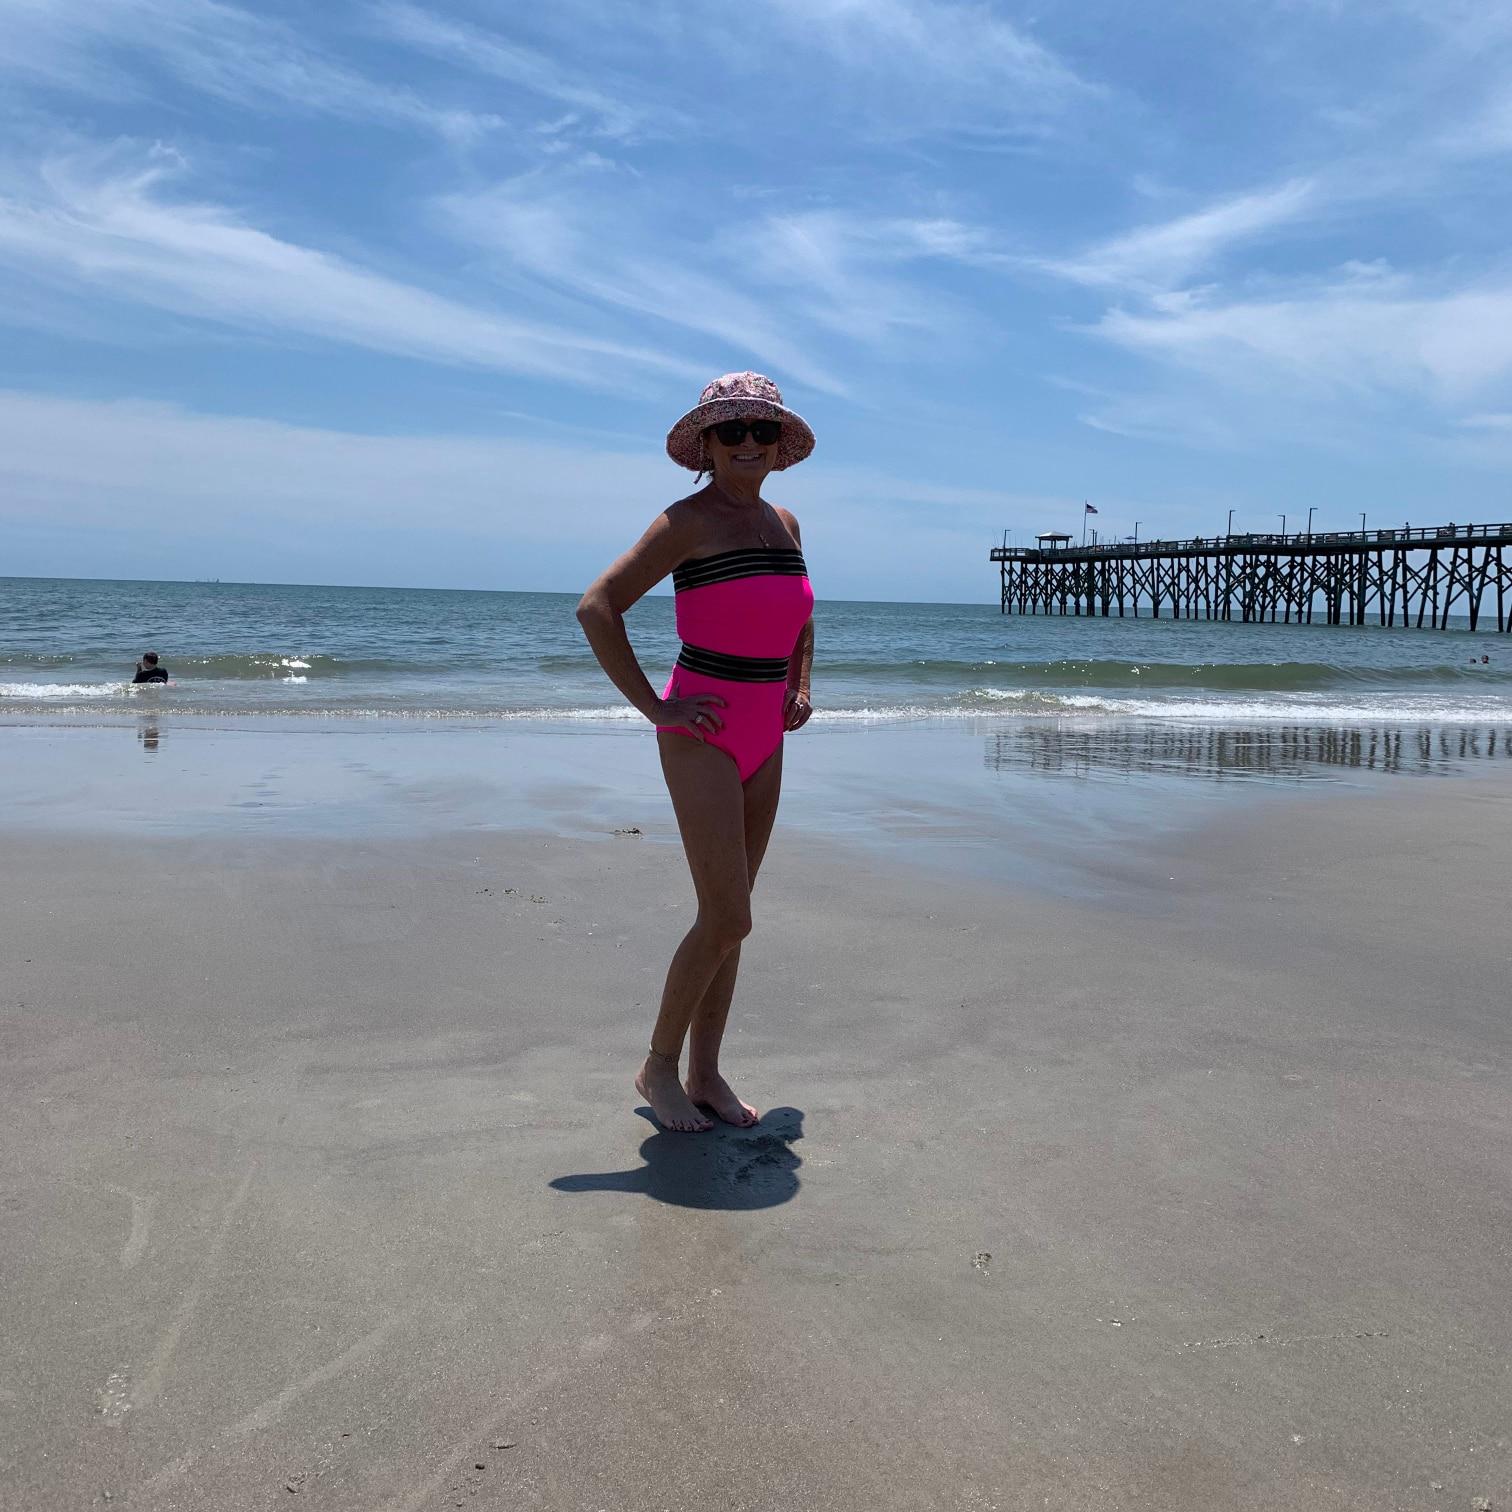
(1344, 577)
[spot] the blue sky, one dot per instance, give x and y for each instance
(382, 292)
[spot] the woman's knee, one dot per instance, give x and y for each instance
(725, 927)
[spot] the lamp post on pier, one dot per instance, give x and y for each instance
(1309, 520)
(1230, 529)
(1136, 532)
(1283, 527)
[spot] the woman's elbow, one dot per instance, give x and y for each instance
(592, 609)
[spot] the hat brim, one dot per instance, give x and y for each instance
(685, 439)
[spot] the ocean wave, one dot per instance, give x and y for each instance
(226, 665)
(1419, 706)
(990, 703)
(271, 664)
(48, 692)
(1260, 677)
(357, 711)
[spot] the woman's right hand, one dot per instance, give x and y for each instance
(697, 714)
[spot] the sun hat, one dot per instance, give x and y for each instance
(738, 396)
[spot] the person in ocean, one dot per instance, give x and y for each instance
(744, 615)
(149, 670)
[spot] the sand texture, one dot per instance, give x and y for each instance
(324, 1186)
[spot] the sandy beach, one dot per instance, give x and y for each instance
(325, 1184)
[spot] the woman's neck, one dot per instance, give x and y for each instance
(740, 492)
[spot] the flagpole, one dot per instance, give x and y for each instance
(1084, 522)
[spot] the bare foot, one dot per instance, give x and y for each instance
(715, 1093)
(657, 1082)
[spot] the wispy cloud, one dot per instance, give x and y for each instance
(1346, 337)
(107, 226)
(219, 49)
(610, 113)
(893, 70)
(574, 242)
(826, 288)
(81, 461)
(1161, 256)
(839, 271)
(937, 62)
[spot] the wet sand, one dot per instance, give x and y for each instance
(324, 1182)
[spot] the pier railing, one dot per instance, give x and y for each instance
(1419, 536)
(1405, 575)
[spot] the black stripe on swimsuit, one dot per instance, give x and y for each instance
(752, 669)
(748, 561)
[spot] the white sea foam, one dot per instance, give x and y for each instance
(976, 705)
(49, 691)
(1320, 707)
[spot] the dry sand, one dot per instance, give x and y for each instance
(323, 1182)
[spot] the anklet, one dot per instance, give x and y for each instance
(662, 1055)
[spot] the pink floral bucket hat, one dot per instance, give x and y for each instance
(738, 396)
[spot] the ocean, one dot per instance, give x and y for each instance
(240, 650)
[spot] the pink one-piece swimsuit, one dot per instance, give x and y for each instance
(739, 615)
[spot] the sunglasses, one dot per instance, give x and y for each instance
(733, 432)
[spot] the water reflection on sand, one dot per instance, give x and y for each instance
(1221, 752)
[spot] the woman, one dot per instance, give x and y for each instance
(744, 610)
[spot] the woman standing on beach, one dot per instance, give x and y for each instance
(744, 609)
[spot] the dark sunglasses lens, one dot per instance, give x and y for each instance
(762, 432)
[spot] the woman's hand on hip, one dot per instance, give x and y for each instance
(698, 714)
(796, 709)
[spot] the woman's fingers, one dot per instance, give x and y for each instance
(704, 717)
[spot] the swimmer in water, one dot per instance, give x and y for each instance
(150, 670)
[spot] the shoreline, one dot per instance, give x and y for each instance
(1044, 804)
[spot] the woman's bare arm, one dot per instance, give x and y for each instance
(601, 611)
(796, 707)
(801, 662)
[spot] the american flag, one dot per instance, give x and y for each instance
(1090, 508)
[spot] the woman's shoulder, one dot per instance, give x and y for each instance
(689, 522)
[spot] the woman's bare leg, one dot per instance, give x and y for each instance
(705, 1085)
(710, 806)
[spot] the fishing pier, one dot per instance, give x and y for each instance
(1410, 577)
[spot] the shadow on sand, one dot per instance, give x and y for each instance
(732, 1169)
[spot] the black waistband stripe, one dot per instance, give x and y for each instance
(726, 566)
(756, 669)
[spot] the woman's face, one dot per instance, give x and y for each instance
(748, 459)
